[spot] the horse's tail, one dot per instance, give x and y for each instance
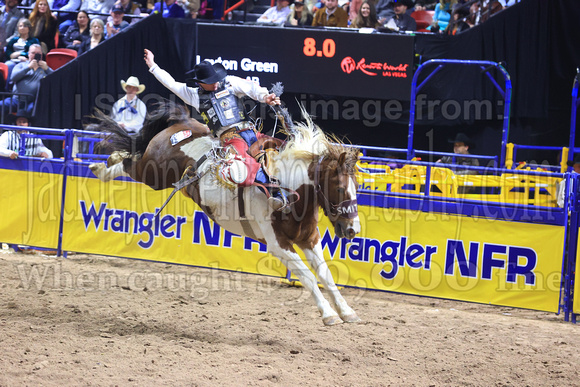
(116, 138)
(164, 115)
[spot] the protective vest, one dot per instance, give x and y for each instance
(220, 108)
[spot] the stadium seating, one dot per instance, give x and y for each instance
(424, 19)
(58, 57)
(4, 71)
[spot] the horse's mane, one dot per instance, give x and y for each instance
(309, 142)
(164, 115)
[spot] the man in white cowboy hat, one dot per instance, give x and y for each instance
(129, 112)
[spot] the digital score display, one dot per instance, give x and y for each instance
(328, 48)
(317, 61)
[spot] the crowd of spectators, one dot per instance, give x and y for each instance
(78, 25)
(448, 16)
(71, 23)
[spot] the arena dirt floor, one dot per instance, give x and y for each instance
(93, 321)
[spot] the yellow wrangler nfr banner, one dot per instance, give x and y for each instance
(31, 204)
(436, 255)
(116, 218)
(462, 258)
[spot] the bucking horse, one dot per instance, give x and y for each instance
(318, 170)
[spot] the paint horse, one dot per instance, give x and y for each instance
(318, 169)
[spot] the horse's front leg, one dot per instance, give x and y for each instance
(316, 260)
(295, 264)
(101, 171)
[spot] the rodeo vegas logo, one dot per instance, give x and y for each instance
(348, 65)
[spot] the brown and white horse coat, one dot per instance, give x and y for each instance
(319, 171)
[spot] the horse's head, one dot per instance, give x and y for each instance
(336, 186)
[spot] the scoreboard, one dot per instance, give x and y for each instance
(320, 61)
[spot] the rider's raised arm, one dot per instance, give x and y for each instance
(189, 95)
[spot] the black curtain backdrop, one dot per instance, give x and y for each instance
(536, 39)
(94, 79)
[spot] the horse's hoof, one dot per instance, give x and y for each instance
(98, 170)
(96, 167)
(332, 320)
(351, 318)
(116, 157)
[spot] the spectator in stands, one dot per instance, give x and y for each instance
(344, 4)
(366, 17)
(442, 15)
(461, 145)
(66, 9)
(192, 7)
(129, 8)
(277, 14)
(44, 24)
(314, 5)
(95, 7)
(331, 15)
(481, 11)
(353, 9)
(146, 6)
(129, 112)
(300, 15)
(169, 8)
(77, 33)
(96, 38)
(560, 191)
(19, 44)
(425, 5)
(17, 47)
(9, 17)
(575, 164)
(401, 21)
(10, 141)
(26, 77)
(116, 24)
(458, 16)
(385, 10)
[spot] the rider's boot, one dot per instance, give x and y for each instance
(277, 200)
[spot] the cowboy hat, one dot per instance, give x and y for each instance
(20, 113)
(406, 3)
(208, 73)
(462, 137)
(132, 81)
(460, 9)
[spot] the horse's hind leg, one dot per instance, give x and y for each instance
(316, 260)
(106, 174)
(294, 263)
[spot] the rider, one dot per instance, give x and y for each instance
(218, 99)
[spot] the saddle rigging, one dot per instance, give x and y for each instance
(233, 172)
